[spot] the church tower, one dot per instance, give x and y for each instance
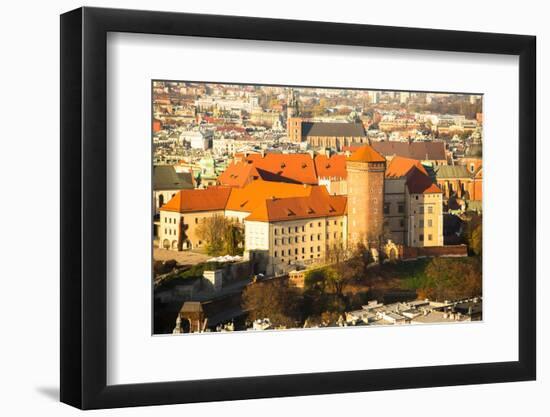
(366, 171)
(292, 104)
(293, 121)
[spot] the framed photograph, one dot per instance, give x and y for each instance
(258, 208)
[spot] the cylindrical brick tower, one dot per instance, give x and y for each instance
(366, 170)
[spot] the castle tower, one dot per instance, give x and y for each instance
(366, 170)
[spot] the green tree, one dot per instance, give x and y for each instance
(475, 240)
(222, 236)
(451, 279)
(473, 235)
(234, 239)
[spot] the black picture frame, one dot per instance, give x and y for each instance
(84, 207)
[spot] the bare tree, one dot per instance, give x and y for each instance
(340, 271)
(274, 300)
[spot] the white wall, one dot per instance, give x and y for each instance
(30, 329)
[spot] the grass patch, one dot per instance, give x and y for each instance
(412, 274)
(417, 281)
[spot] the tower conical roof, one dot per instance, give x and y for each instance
(366, 154)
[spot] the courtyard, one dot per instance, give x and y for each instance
(181, 257)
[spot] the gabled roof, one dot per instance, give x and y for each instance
(318, 204)
(332, 129)
(400, 166)
(331, 167)
(265, 201)
(292, 168)
(415, 150)
(165, 177)
(452, 171)
(366, 153)
(212, 198)
(419, 183)
(238, 174)
(248, 198)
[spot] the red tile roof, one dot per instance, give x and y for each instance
(255, 193)
(318, 204)
(331, 167)
(419, 183)
(350, 148)
(238, 174)
(212, 198)
(366, 153)
(265, 201)
(293, 168)
(400, 166)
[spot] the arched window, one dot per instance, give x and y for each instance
(161, 200)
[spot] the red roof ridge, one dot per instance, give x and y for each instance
(399, 166)
(333, 166)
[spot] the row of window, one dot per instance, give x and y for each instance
(169, 232)
(401, 209)
(426, 196)
(421, 237)
(296, 229)
(303, 257)
(170, 220)
(289, 251)
(297, 239)
(235, 219)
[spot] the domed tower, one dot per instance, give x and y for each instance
(366, 171)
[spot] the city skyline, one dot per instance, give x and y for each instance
(280, 207)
